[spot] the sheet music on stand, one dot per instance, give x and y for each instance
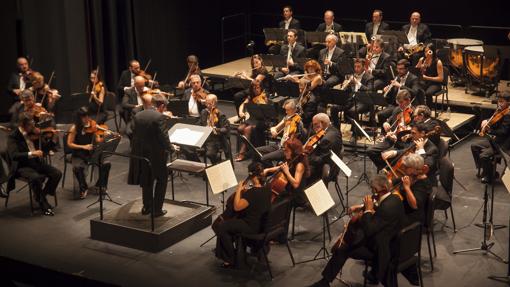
(189, 135)
(221, 176)
(287, 89)
(359, 38)
(341, 164)
(276, 35)
(262, 112)
(319, 198)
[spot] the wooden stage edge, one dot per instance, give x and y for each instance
(456, 95)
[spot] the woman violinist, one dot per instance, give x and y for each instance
(249, 125)
(81, 139)
(258, 74)
(244, 213)
(431, 69)
(97, 91)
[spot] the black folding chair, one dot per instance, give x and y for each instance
(443, 92)
(429, 224)
(408, 252)
(444, 197)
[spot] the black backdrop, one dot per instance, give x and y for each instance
(72, 37)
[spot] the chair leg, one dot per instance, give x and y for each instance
(453, 219)
(293, 223)
(64, 173)
(420, 276)
(446, 214)
(430, 251)
(290, 253)
(267, 262)
(365, 275)
(433, 241)
(31, 200)
(55, 198)
(7, 199)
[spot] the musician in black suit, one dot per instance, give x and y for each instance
(289, 22)
(360, 81)
(329, 58)
(379, 64)
(150, 140)
(127, 77)
(195, 103)
(405, 80)
(498, 134)
(422, 114)
(20, 80)
(292, 51)
(423, 146)
(416, 31)
(133, 97)
(377, 25)
(320, 157)
(26, 161)
(378, 227)
(329, 25)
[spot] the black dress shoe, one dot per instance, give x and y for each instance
(159, 213)
(486, 179)
(3, 193)
(371, 277)
(48, 212)
(146, 211)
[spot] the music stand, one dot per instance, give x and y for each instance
(286, 89)
(101, 152)
(300, 62)
(321, 201)
(400, 36)
(178, 108)
(191, 136)
(487, 223)
(276, 35)
(275, 61)
(364, 175)
(316, 37)
(240, 83)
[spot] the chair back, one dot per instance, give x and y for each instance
(4, 169)
(277, 216)
(446, 74)
(446, 174)
(409, 243)
(443, 148)
(110, 102)
(430, 207)
(67, 149)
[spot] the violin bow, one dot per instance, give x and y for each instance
(153, 80)
(147, 65)
(49, 83)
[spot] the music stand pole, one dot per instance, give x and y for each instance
(323, 249)
(504, 279)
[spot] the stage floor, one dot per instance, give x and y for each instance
(63, 242)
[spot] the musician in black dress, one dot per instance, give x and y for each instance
(245, 213)
(431, 69)
(97, 92)
(82, 142)
(377, 227)
(495, 134)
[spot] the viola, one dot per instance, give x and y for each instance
(312, 142)
(99, 130)
(261, 99)
(496, 117)
(290, 127)
(199, 95)
(213, 119)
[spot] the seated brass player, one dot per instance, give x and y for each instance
(244, 214)
(372, 226)
(495, 133)
(26, 161)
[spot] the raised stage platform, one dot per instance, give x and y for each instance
(126, 225)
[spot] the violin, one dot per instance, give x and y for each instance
(199, 95)
(213, 119)
(261, 99)
(310, 144)
(496, 117)
(395, 171)
(99, 130)
(290, 127)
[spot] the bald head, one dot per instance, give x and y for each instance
(139, 83)
(415, 18)
(147, 100)
(22, 64)
(329, 16)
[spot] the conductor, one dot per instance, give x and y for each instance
(150, 140)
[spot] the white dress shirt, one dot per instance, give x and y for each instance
(329, 55)
(375, 28)
(373, 61)
(287, 23)
(193, 106)
(22, 84)
(411, 36)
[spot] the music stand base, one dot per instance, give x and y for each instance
(106, 197)
(484, 247)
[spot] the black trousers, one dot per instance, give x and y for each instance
(226, 233)
(385, 114)
(374, 153)
(37, 173)
(159, 189)
(430, 91)
(353, 113)
(331, 81)
(80, 172)
(483, 154)
(239, 98)
(270, 153)
(340, 256)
